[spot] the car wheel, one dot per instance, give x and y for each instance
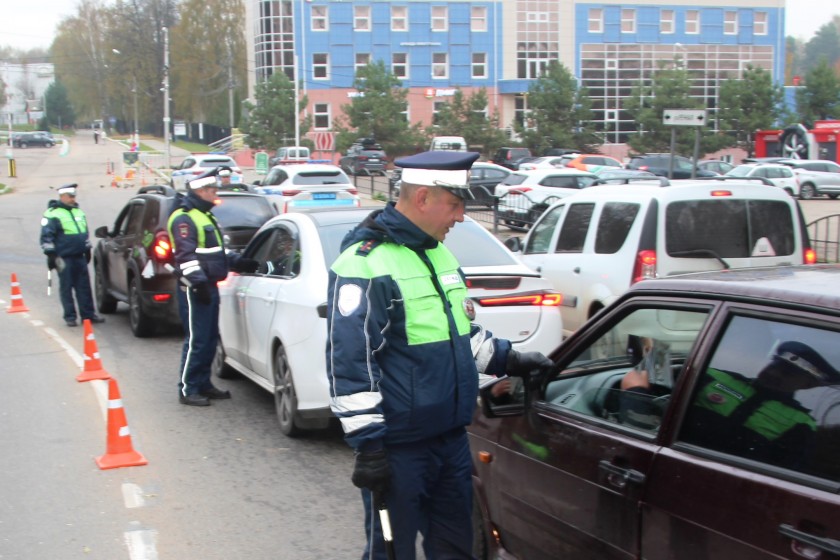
(105, 302)
(219, 367)
(285, 398)
(479, 527)
(807, 191)
(789, 191)
(833, 196)
(24, 145)
(141, 324)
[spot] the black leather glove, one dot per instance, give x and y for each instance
(202, 293)
(51, 261)
(372, 471)
(87, 255)
(245, 264)
(527, 364)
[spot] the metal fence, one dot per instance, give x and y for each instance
(825, 238)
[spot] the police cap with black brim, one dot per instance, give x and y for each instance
(447, 170)
(799, 357)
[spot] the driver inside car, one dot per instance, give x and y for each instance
(644, 387)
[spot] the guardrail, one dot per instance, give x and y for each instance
(825, 238)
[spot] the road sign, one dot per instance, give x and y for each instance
(324, 141)
(261, 163)
(684, 117)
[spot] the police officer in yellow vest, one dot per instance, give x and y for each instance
(65, 241)
(403, 359)
(201, 261)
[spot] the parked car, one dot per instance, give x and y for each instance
(448, 144)
(715, 165)
(593, 245)
(365, 157)
(659, 164)
(591, 162)
(240, 213)
(545, 162)
(780, 175)
(27, 139)
(817, 177)
(514, 165)
(273, 322)
(289, 154)
(611, 175)
(524, 195)
(290, 187)
(506, 156)
(572, 466)
(195, 165)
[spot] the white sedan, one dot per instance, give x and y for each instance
(195, 165)
(306, 185)
(273, 322)
(548, 162)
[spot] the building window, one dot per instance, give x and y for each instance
(479, 66)
(520, 111)
(692, 21)
(320, 20)
(361, 18)
(532, 59)
(666, 21)
(478, 18)
(321, 113)
(438, 106)
(596, 20)
(628, 21)
(399, 65)
(440, 18)
(362, 60)
(760, 23)
(440, 66)
(321, 66)
(399, 18)
(730, 23)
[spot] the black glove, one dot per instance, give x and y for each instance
(51, 261)
(202, 293)
(527, 364)
(372, 471)
(245, 264)
(87, 255)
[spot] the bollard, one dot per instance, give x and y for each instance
(12, 168)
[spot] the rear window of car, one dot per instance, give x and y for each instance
(320, 178)
(615, 222)
(242, 211)
(514, 179)
(473, 245)
(216, 162)
(729, 228)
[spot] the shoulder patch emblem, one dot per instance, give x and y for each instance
(184, 230)
(349, 298)
(44, 221)
(367, 246)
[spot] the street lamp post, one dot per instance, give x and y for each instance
(166, 118)
(136, 136)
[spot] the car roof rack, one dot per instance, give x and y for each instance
(764, 180)
(158, 189)
(663, 181)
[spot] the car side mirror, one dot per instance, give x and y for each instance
(514, 244)
(101, 232)
(498, 401)
(257, 183)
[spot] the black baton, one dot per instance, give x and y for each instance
(385, 521)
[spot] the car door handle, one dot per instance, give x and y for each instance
(619, 476)
(802, 538)
(576, 270)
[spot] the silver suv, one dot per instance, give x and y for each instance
(816, 177)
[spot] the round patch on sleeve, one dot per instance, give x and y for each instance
(44, 221)
(349, 298)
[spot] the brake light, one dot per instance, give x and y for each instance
(161, 298)
(810, 256)
(291, 192)
(721, 193)
(161, 247)
(645, 266)
(551, 299)
(644, 167)
(353, 191)
(522, 190)
(363, 158)
(198, 172)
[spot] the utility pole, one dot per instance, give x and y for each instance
(136, 127)
(166, 118)
(230, 84)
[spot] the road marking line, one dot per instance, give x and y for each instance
(141, 543)
(132, 495)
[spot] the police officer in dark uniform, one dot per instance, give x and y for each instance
(201, 261)
(65, 241)
(403, 360)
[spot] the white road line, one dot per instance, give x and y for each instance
(141, 543)
(132, 495)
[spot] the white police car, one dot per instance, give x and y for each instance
(196, 165)
(307, 185)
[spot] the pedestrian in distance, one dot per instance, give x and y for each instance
(201, 261)
(224, 177)
(404, 358)
(66, 243)
(95, 136)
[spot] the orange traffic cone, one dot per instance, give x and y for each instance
(17, 304)
(119, 452)
(93, 365)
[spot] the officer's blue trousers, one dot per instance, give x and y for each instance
(431, 493)
(201, 334)
(74, 278)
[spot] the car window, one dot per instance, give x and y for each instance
(275, 177)
(573, 232)
(320, 178)
(473, 245)
(739, 227)
(583, 182)
(832, 168)
(602, 378)
(134, 222)
(514, 179)
(767, 395)
(242, 211)
(277, 252)
(615, 222)
(560, 182)
(539, 241)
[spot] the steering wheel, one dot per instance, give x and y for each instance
(794, 141)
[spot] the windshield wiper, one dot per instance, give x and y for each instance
(702, 253)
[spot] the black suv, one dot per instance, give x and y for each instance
(130, 260)
(659, 164)
(26, 139)
(364, 157)
(508, 157)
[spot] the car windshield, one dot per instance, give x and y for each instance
(242, 211)
(311, 178)
(740, 171)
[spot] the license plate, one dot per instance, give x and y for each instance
(374, 160)
(323, 196)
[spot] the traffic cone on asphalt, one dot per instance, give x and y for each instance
(17, 304)
(119, 451)
(93, 365)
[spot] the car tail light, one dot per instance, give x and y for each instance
(363, 158)
(810, 256)
(161, 298)
(353, 191)
(198, 172)
(721, 193)
(541, 299)
(521, 190)
(644, 167)
(645, 266)
(291, 192)
(162, 247)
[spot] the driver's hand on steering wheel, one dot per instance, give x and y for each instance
(634, 379)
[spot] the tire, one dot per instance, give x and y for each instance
(285, 398)
(794, 142)
(105, 302)
(219, 368)
(480, 546)
(833, 196)
(807, 191)
(141, 324)
(24, 145)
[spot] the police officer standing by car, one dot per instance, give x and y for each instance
(202, 261)
(65, 241)
(403, 360)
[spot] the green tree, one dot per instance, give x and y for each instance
(752, 103)
(467, 116)
(825, 44)
(559, 113)
(57, 105)
(378, 112)
(270, 122)
(819, 99)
